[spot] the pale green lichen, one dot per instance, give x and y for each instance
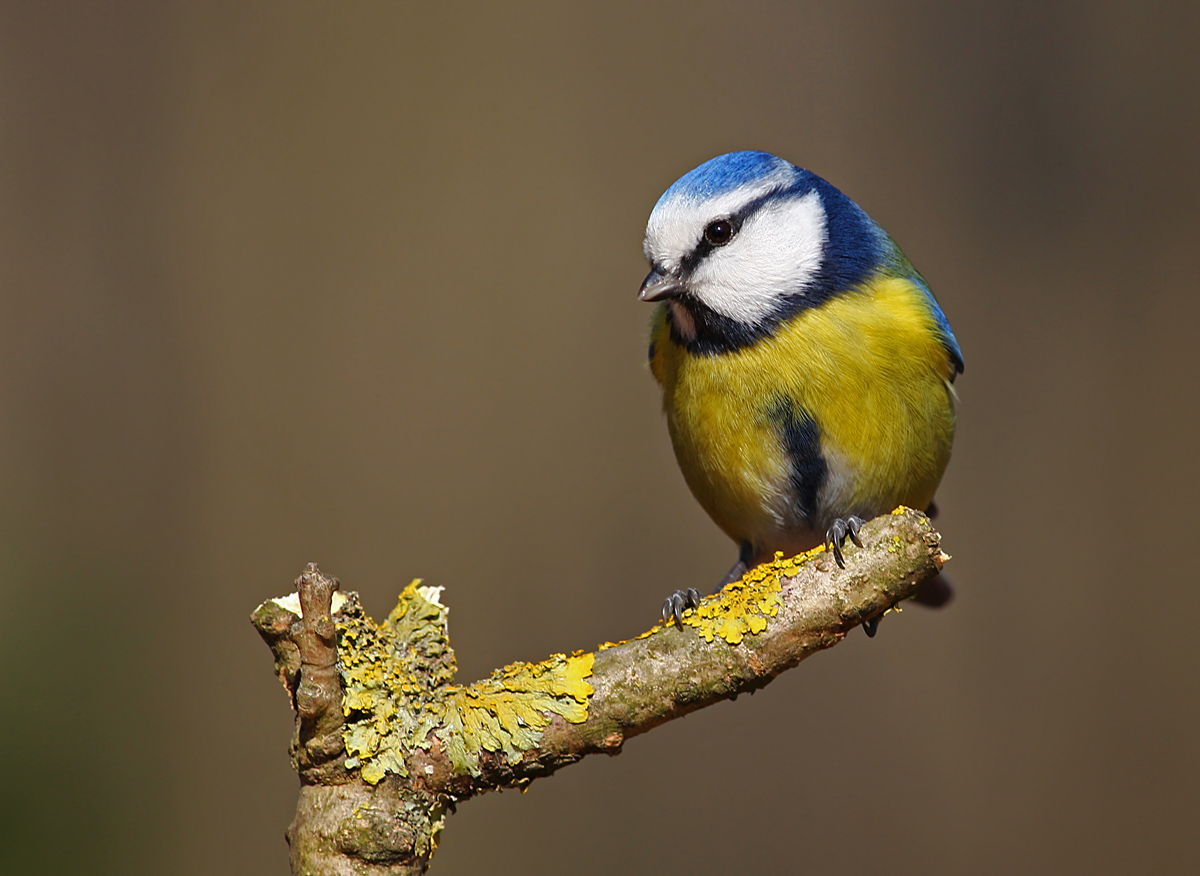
(398, 695)
(508, 711)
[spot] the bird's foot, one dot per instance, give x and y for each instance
(677, 603)
(837, 534)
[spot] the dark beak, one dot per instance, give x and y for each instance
(658, 286)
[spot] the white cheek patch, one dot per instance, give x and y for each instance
(776, 253)
(675, 226)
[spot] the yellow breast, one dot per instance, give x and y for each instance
(867, 367)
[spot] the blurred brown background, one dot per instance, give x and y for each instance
(355, 283)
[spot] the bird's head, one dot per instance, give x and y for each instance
(747, 239)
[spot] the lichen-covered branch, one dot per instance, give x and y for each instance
(385, 741)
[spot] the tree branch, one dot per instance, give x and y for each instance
(385, 742)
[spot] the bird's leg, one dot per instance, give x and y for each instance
(744, 561)
(837, 533)
(736, 571)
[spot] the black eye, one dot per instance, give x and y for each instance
(719, 233)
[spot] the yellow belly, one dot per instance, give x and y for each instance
(867, 367)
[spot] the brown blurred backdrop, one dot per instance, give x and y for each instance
(355, 283)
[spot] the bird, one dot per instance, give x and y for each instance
(806, 368)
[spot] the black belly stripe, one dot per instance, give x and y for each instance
(802, 442)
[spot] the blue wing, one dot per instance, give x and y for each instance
(943, 324)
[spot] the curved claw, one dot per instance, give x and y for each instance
(855, 524)
(837, 534)
(675, 605)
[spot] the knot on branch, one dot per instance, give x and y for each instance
(301, 633)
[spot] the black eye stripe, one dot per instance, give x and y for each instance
(737, 221)
(710, 240)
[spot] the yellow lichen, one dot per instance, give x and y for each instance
(398, 696)
(740, 607)
(745, 605)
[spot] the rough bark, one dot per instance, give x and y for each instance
(418, 744)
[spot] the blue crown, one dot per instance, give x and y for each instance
(723, 173)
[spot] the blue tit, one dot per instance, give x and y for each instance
(805, 365)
